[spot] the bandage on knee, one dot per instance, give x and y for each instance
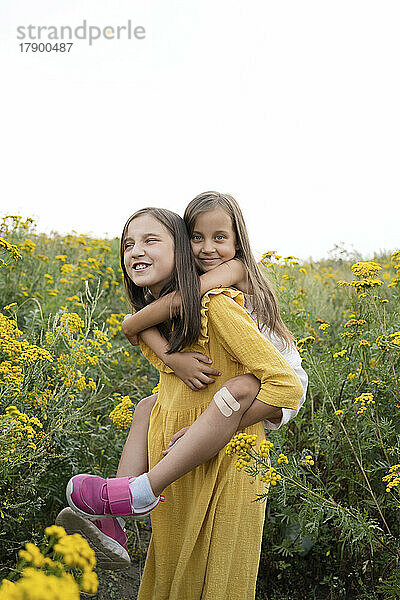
(226, 402)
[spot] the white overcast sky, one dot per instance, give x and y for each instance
(292, 106)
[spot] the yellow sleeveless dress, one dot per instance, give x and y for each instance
(206, 536)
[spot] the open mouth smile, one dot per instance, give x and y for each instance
(141, 266)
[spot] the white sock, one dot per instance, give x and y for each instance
(142, 493)
(121, 522)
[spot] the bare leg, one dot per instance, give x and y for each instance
(134, 457)
(206, 436)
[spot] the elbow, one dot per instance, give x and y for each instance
(296, 391)
(128, 327)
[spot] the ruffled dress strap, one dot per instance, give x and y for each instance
(236, 295)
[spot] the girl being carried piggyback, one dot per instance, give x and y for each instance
(221, 247)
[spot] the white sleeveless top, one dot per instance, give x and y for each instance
(292, 356)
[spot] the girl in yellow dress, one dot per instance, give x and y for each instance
(207, 534)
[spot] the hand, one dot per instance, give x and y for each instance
(175, 438)
(192, 369)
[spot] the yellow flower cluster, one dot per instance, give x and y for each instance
(240, 444)
(340, 354)
(268, 256)
(13, 250)
(265, 448)
(49, 338)
(122, 414)
(38, 398)
(75, 552)
(242, 461)
(32, 555)
(21, 422)
(37, 585)
(355, 322)
(308, 460)
(75, 299)
(28, 246)
(339, 412)
(270, 476)
(71, 323)
(363, 400)
(394, 338)
(305, 343)
(393, 478)
(11, 375)
(378, 382)
(23, 352)
(10, 223)
(283, 459)
(365, 269)
(364, 343)
(8, 327)
(366, 272)
(385, 342)
(361, 284)
(43, 578)
(19, 353)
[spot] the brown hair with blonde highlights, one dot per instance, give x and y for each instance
(184, 329)
(264, 301)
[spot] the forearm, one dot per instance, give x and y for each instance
(227, 274)
(155, 341)
(157, 312)
(258, 411)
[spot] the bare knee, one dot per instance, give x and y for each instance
(237, 395)
(243, 388)
(143, 408)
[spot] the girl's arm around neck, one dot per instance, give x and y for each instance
(160, 310)
(230, 273)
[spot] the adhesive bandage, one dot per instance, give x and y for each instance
(226, 402)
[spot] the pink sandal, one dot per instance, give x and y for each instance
(94, 497)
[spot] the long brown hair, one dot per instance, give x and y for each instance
(184, 329)
(264, 301)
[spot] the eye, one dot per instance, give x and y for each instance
(219, 237)
(151, 240)
(196, 238)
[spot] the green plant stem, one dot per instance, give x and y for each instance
(355, 454)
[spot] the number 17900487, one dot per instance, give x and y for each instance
(48, 47)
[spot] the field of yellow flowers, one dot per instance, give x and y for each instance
(69, 382)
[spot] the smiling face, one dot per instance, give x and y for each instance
(149, 253)
(213, 239)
